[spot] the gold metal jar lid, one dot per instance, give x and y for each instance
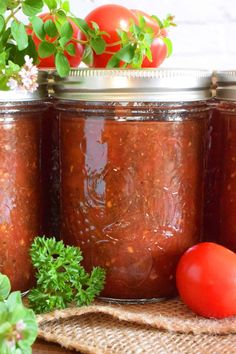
(225, 84)
(19, 95)
(163, 85)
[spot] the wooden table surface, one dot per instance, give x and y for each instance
(41, 347)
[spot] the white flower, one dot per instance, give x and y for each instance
(12, 83)
(28, 61)
(29, 75)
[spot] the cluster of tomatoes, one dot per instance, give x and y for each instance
(109, 19)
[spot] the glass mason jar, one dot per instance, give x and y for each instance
(132, 164)
(20, 180)
(223, 152)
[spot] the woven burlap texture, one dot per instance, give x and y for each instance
(162, 328)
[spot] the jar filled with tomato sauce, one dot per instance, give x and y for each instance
(50, 172)
(132, 146)
(223, 152)
(21, 114)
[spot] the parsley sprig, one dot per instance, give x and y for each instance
(18, 325)
(60, 277)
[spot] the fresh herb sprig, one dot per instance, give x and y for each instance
(18, 325)
(136, 42)
(60, 277)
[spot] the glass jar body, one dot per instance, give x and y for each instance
(132, 189)
(224, 117)
(20, 188)
(50, 172)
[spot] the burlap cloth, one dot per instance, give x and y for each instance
(161, 328)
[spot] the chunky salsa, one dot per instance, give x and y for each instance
(20, 189)
(132, 189)
(227, 230)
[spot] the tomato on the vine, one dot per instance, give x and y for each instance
(110, 18)
(206, 280)
(49, 62)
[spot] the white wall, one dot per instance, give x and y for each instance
(206, 32)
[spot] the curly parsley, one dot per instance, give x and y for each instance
(60, 277)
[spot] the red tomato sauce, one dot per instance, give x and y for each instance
(132, 190)
(227, 231)
(20, 189)
(213, 175)
(50, 173)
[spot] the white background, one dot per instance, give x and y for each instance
(206, 32)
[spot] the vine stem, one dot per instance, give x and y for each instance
(12, 15)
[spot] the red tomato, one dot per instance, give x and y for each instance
(149, 20)
(50, 61)
(113, 17)
(159, 53)
(110, 18)
(206, 280)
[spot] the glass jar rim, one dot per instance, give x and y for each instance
(225, 84)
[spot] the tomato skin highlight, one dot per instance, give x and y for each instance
(206, 280)
(49, 62)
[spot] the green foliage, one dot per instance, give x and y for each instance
(136, 43)
(60, 277)
(18, 325)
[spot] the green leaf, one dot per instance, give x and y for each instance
(95, 26)
(12, 4)
(63, 41)
(88, 55)
(169, 46)
(5, 36)
(3, 59)
(50, 28)
(142, 22)
(82, 24)
(66, 30)
(98, 44)
(19, 34)
(13, 300)
(70, 49)
(114, 62)
(3, 6)
(38, 27)
(123, 36)
(159, 22)
(2, 23)
(5, 287)
(126, 53)
(5, 328)
(32, 7)
(61, 17)
(51, 4)
(3, 83)
(46, 49)
(66, 6)
(62, 65)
